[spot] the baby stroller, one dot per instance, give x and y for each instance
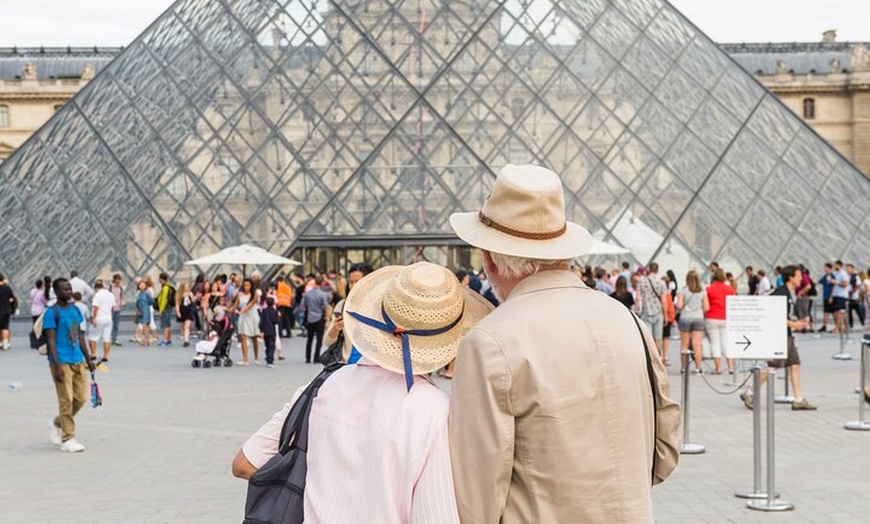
(215, 349)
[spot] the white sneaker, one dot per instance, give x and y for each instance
(54, 434)
(71, 446)
(258, 362)
(270, 366)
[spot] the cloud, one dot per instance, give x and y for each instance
(81, 23)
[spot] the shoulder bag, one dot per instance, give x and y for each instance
(276, 491)
(666, 422)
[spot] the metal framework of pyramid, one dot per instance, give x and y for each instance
(271, 121)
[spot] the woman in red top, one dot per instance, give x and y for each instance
(714, 319)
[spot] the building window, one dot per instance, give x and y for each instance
(4, 116)
(809, 108)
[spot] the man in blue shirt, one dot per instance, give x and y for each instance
(828, 303)
(68, 360)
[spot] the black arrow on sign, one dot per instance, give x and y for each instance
(745, 342)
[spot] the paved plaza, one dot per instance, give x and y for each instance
(160, 448)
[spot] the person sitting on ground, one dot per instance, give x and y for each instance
(406, 321)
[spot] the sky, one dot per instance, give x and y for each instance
(118, 22)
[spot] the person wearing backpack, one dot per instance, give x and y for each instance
(380, 426)
(166, 308)
(68, 359)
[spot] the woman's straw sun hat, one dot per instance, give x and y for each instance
(411, 318)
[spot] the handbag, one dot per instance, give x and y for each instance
(276, 491)
(666, 422)
(333, 353)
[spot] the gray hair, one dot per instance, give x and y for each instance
(521, 267)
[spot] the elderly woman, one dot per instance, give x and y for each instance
(382, 423)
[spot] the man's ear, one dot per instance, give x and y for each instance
(488, 266)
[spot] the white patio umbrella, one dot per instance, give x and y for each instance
(243, 255)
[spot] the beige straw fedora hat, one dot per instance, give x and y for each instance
(524, 217)
(410, 319)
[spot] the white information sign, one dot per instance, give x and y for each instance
(755, 327)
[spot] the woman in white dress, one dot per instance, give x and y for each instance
(249, 320)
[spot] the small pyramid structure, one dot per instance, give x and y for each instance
(273, 121)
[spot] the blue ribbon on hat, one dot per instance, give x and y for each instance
(389, 326)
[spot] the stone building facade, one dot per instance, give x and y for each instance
(825, 83)
(36, 82)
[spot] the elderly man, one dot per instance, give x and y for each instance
(552, 415)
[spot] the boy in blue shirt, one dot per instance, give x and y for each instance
(67, 359)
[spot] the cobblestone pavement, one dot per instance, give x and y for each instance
(160, 448)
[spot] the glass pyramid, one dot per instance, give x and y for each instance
(274, 121)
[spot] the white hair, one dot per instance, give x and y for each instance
(512, 267)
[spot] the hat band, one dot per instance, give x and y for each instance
(389, 326)
(485, 220)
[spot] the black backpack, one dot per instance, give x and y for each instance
(276, 491)
(170, 298)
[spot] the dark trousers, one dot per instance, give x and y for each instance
(196, 312)
(285, 322)
(270, 348)
(314, 329)
(116, 322)
(300, 318)
(858, 308)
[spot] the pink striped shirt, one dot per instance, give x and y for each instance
(376, 452)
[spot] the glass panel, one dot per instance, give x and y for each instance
(750, 159)
(774, 124)
(727, 195)
(738, 91)
(812, 158)
(656, 126)
(670, 32)
(640, 12)
(614, 32)
(715, 125)
(827, 227)
(680, 94)
(703, 61)
(647, 62)
(762, 224)
(787, 194)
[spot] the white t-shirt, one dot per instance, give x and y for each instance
(763, 286)
(105, 301)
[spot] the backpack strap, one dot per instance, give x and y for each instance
(653, 387)
(294, 433)
(653, 288)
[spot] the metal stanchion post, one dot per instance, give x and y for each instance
(756, 492)
(786, 398)
(861, 424)
(842, 355)
(770, 504)
(686, 448)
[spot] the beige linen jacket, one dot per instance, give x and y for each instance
(551, 414)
